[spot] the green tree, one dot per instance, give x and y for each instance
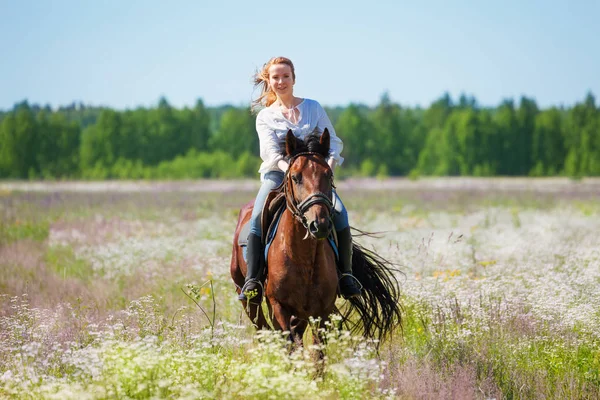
(437, 113)
(198, 125)
(507, 127)
(461, 147)
(169, 139)
(236, 134)
(58, 148)
(355, 130)
(391, 143)
(100, 142)
(7, 147)
(583, 139)
(523, 141)
(548, 144)
(19, 143)
(473, 142)
(432, 158)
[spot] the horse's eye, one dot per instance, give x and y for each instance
(297, 178)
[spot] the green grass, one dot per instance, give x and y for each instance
(11, 231)
(62, 260)
(478, 320)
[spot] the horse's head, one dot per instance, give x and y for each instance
(309, 182)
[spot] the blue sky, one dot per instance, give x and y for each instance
(125, 54)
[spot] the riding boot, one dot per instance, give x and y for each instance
(349, 286)
(253, 287)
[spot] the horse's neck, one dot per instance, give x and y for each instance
(300, 244)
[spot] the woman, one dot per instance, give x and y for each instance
(283, 111)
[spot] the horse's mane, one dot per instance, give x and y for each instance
(311, 143)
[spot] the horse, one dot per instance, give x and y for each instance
(302, 275)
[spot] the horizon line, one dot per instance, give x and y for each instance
(453, 98)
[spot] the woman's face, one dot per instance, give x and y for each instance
(281, 79)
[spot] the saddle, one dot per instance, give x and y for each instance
(270, 217)
(274, 205)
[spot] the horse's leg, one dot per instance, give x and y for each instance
(319, 340)
(297, 328)
(238, 272)
(270, 314)
(256, 315)
(237, 267)
(281, 318)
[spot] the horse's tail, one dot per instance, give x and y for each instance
(378, 308)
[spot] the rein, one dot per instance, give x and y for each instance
(299, 209)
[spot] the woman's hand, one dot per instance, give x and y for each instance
(332, 163)
(283, 165)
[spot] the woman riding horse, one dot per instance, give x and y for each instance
(285, 112)
(302, 273)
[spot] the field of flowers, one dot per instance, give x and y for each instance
(122, 290)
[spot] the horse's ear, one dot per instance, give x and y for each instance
(290, 143)
(325, 139)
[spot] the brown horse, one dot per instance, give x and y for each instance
(302, 277)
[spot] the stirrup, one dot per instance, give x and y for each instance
(246, 294)
(355, 293)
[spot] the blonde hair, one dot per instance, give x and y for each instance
(261, 79)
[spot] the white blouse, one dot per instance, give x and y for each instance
(272, 128)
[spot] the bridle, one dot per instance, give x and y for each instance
(299, 209)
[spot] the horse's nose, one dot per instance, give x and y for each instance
(313, 228)
(319, 231)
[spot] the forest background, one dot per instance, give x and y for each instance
(451, 137)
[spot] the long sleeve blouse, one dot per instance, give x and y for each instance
(272, 128)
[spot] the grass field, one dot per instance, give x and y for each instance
(122, 290)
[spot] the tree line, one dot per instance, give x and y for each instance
(449, 138)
